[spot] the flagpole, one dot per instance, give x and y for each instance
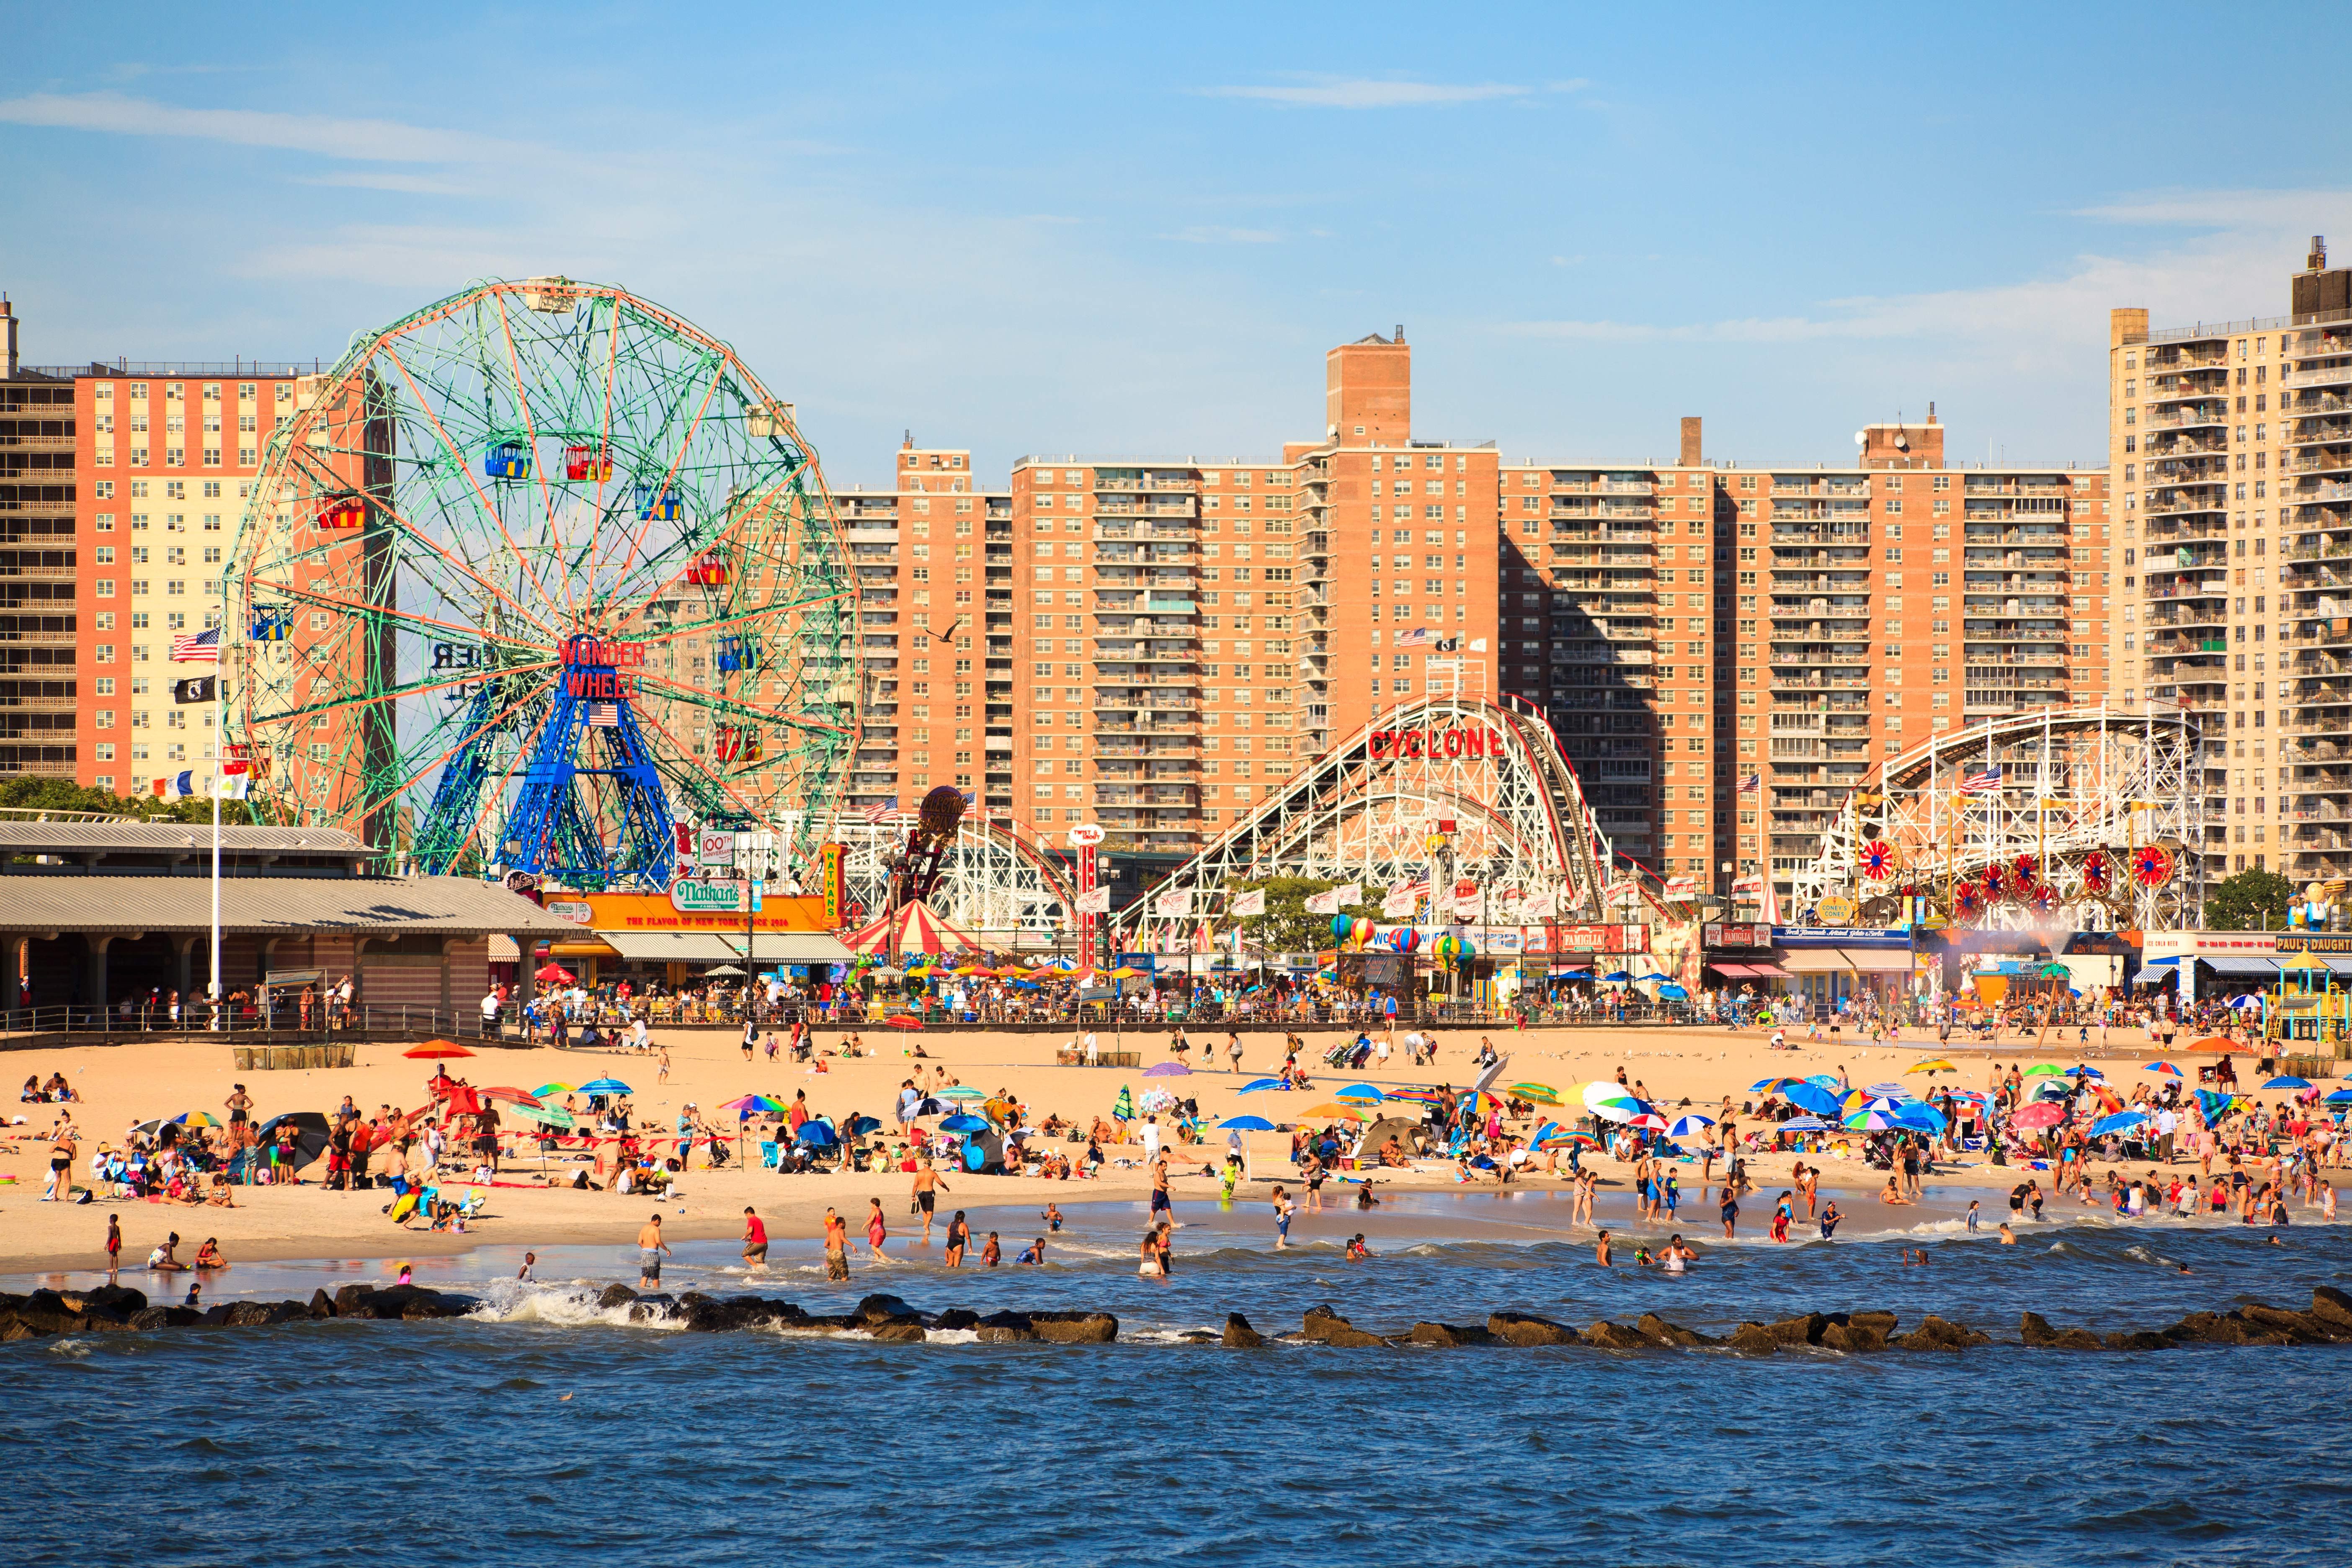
(220, 757)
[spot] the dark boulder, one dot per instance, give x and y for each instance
(2141, 1340)
(1522, 1328)
(2332, 1307)
(1075, 1328)
(1667, 1334)
(1851, 1338)
(652, 1308)
(1239, 1335)
(216, 1317)
(957, 1319)
(616, 1296)
(1005, 1328)
(149, 1319)
(13, 1328)
(832, 1323)
(2036, 1331)
(1608, 1336)
(183, 1317)
(1935, 1333)
(351, 1300)
(706, 1314)
(1882, 1321)
(1804, 1331)
(120, 1302)
(321, 1304)
(879, 1308)
(1450, 1334)
(1753, 1339)
(906, 1330)
(247, 1314)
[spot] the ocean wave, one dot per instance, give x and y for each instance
(559, 1305)
(76, 1349)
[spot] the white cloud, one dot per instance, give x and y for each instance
(1336, 92)
(2236, 269)
(1215, 234)
(375, 140)
(385, 180)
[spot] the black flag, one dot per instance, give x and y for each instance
(1449, 645)
(199, 689)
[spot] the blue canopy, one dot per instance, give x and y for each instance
(1813, 1097)
(2121, 1121)
(2287, 1080)
(963, 1123)
(1246, 1124)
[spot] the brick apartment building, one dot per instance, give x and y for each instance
(2234, 441)
(120, 488)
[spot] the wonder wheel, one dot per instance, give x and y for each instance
(530, 577)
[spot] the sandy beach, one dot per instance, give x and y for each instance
(120, 1086)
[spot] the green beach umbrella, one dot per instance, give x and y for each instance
(1125, 1109)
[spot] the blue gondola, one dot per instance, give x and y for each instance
(739, 653)
(508, 460)
(270, 623)
(657, 505)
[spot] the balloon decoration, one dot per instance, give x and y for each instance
(1456, 951)
(1363, 931)
(1968, 898)
(2151, 866)
(1404, 939)
(2096, 873)
(1878, 859)
(1340, 926)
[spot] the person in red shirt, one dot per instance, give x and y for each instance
(755, 1239)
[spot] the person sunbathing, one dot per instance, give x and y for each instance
(1391, 1155)
(1892, 1192)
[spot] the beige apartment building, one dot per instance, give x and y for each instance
(2234, 441)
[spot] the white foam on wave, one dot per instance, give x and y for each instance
(559, 1306)
(77, 1349)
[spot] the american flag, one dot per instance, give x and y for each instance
(883, 810)
(604, 715)
(203, 647)
(1752, 785)
(1981, 781)
(1417, 637)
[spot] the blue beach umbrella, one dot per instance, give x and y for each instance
(2287, 1080)
(1689, 1126)
(1257, 1084)
(963, 1123)
(1813, 1097)
(1919, 1116)
(1362, 1094)
(2339, 1096)
(1673, 993)
(1246, 1124)
(606, 1086)
(2121, 1121)
(2213, 1105)
(1800, 1124)
(816, 1134)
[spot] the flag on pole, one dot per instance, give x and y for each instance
(1981, 781)
(1095, 900)
(1176, 902)
(1399, 905)
(182, 784)
(197, 689)
(883, 811)
(1417, 637)
(1328, 902)
(1752, 785)
(1478, 645)
(233, 787)
(1249, 903)
(202, 647)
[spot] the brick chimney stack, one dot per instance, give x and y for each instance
(1691, 446)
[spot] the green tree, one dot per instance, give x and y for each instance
(1287, 927)
(2251, 901)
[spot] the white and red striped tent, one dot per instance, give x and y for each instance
(914, 929)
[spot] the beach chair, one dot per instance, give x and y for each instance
(767, 1153)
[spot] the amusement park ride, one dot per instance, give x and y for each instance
(542, 570)
(530, 573)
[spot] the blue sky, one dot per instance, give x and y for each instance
(1047, 229)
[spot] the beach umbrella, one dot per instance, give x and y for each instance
(197, 1119)
(1257, 1084)
(517, 1096)
(1124, 1108)
(2044, 1070)
(1802, 1124)
(1891, 1090)
(2082, 1072)
(817, 1133)
(1167, 1070)
(1246, 1124)
(1612, 1101)
(1673, 993)
(1771, 1085)
(863, 1125)
(546, 1115)
(755, 1102)
(1563, 1140)
(2337, 1096)
(930, 1105)
(1616, 978)
(1689, 1126)
(902, 1021)
(436, 1050)
(1649, 1121)
(1419, 1096)
(2038, 1115)
(606, 1086)
(543, 1091)
(1919, 1116)
(1813, 1097)
(1362, 1094)
(2214, 1043)
(963, 1122)
(2286, 1080)
(2214, 1105)
(1335, 1108)
(1866, 1119)
(2163, 1070)
(2248, 1003)
(551, 973)
(2121, 1121)
(310, 1134)
(1549, 1130)
(960, 1092)
(1933, 1064)
(1541, 1093)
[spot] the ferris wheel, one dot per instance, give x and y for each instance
(529, 578)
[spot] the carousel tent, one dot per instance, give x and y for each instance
(913, 928)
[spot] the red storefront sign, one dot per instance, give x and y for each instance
(1586, 939)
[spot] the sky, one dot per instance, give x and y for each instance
(1107, 231)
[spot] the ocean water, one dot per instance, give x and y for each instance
(544, 1424)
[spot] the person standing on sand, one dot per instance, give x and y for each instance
(62, 1150)
(650, 1247)
(928, 1186)
(836, 1246)
(877, 1232)
(661, 1073)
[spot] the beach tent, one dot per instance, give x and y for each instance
(1377, 1135)
(913, 928)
